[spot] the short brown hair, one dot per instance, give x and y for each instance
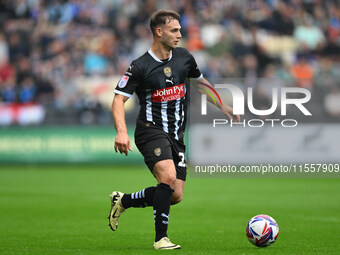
(161, 18)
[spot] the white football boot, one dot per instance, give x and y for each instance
(116, 209)
(165, 244)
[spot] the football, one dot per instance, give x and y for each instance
(262, 230)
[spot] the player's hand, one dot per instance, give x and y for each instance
(122, 143)
(228, 111)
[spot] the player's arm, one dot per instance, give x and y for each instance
(203, 86)
(122, 141)
(124, 90)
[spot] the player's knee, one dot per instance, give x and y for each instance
(165, 172)
(169, 179)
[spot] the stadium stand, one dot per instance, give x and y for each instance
(66, 56)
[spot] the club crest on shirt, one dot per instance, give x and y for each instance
(123, 81)
(157, 152)
(167, 71)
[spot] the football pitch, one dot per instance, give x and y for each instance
(63, 209)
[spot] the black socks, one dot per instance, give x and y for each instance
(142, 198)
(160, 198)
(161, 209)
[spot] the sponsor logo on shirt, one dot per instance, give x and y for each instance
(168, 94)
(123, 81)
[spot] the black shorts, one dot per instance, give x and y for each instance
(156, 145)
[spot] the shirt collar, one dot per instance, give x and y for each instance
(155, 57)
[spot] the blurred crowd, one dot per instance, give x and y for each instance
(45, 45)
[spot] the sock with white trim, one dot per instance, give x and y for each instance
(139, 199)
(161, 209)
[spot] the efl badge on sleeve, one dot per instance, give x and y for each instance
(167, 71)
(123, 81)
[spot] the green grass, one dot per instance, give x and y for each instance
(63, 209)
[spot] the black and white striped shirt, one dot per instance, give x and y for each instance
(162, 88)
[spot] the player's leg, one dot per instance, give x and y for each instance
(165, 173)
(120, 202)
(139, 199)
(178, 154)
(177, 196)
(144, 198)
(154, 150)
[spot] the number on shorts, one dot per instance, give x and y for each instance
(182, 162)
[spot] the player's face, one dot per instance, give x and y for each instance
(171, 34)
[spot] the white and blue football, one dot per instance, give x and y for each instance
(262, 230)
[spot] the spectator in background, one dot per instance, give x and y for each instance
(282, 19)
(194, 41)
(332, 49)
(3, 49)
(8, 90)
(95, 63)
(250, 71)
(309, 36)
(23, 69)
(18, 45)
(27, 91)
(211, 33)
(321, 19)
(265, 89)
(7, 71)
(45, 92)
(326, 75)
(263, 59)
(231, 67)
(284, 73)
(303, 73)
(239, 48)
